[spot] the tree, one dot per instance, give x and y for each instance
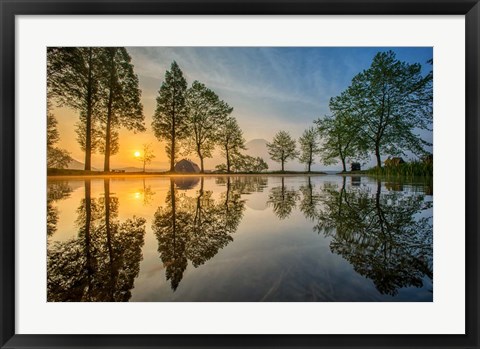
(73, 76)
(392, 101)
(120, 104)
(246, 163)
(205, 112)
(56, 157)
(339, 134)
(147, 156)
(309, 147)
(170, 118)
(230, 139)
(282, 148)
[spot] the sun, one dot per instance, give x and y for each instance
(136, 154)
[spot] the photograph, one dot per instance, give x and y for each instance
(239, 174)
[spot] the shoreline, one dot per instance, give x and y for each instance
(167, 175)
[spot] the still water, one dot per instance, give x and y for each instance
(239, 238)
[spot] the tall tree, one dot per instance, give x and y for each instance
(309, 147)
(121, 101)
(282, 148)
(56, 157)
(205, 112)
(340, 139)
(170, 121)
(230, 139)
(73, 76)
(393, 100)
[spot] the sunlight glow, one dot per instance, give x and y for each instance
(136, 154)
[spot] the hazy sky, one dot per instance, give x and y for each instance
(270, 89)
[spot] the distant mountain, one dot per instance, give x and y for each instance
(137, 169)
(77, 165)
(258, 147)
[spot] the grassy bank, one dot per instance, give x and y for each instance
(406, 170)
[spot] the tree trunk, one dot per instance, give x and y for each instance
(172, 149)
(228, 159)
(201, 161)
(108, 130)
(88, 123)
(283, 166)
(106, 163)
(144, 163)
(377, 155)
(309, 166)
(344, 165)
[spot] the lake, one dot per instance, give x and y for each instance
(326, 238)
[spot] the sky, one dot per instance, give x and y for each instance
(269, 88)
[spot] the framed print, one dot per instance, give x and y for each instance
(193, 174)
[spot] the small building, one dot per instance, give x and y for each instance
(187, 166)
(355, 166)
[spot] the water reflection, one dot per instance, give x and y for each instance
(195, 228)
(283, 200)
(56, 191)
(315, 238)
(102, 262)
(384, 236)
(310, 200)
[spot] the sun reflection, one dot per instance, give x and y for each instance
(137, 195)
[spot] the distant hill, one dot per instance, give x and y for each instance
(137, 169)
(77, 165)
(258, 147)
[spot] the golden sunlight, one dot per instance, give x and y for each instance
(136, 154)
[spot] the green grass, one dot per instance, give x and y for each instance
(408, 170)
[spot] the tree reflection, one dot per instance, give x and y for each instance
(147, 194)
(56, 191)
(310, 200)
(195, 228)
(386, 236)
(103, 261)
(283, 200)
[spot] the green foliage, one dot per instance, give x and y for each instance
(339, 135)
(390, 100)
(230, 139)
(205, 112)
(170, 118)
(309, 147)
(282, 148)
(247, 163)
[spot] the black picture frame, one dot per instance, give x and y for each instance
(11, 8)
